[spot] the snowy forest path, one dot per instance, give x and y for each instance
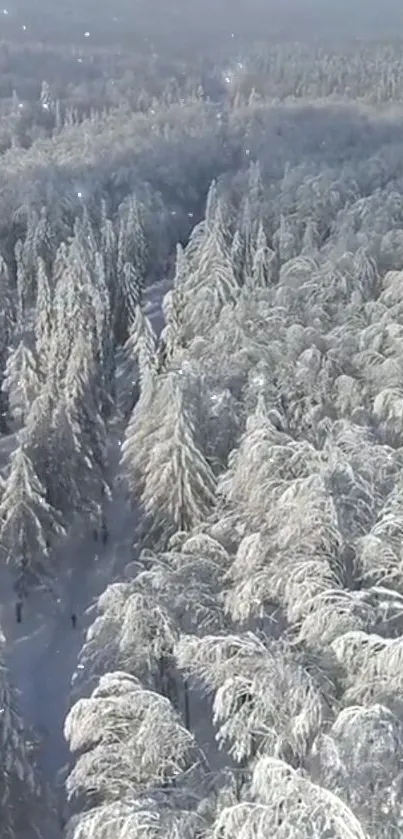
(43, 649)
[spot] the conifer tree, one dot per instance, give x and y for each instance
(132, 245)
(205, 226)
(27, 524)
(238, 257)
(21, 382)
(22, 283)
(104, 350)
(173, 307)
(45, 238)
(262, 263)
(284, 241)
(45, 95)
(310, 239)
(211, 205)
(85, 238)
(255, 189)
(36, 435)
(26, 260)
(40, 242)
(67, 470)
(7, 309)
(211, 282)
(248, 226)
(179, 484)
(108, 248)
(131, 265)
(132, 288)
(171, 336)
(43, 320)
(141, 344)
(74, 308)
(81, 391)
(7, 325)
(141, 433)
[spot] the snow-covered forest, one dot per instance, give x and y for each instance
(201, 423)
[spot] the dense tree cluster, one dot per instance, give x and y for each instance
(265, 456)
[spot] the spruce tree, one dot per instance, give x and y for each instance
(82, 402)
(211, 282)
(262, 263)
(21, 383)
(7, 325)
(27, 524)
(43, 320)
(179, 486)
(131, 266)
(141, 344)
(74, 307)
(22, 283)
(37, 434)
(132, 287)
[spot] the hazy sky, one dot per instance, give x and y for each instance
(202, 19)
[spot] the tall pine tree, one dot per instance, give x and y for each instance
(27, 524)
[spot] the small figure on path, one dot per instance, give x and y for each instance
(104, 532)
(74, 620)
(18, 611)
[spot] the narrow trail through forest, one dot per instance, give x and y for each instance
(43, 649)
